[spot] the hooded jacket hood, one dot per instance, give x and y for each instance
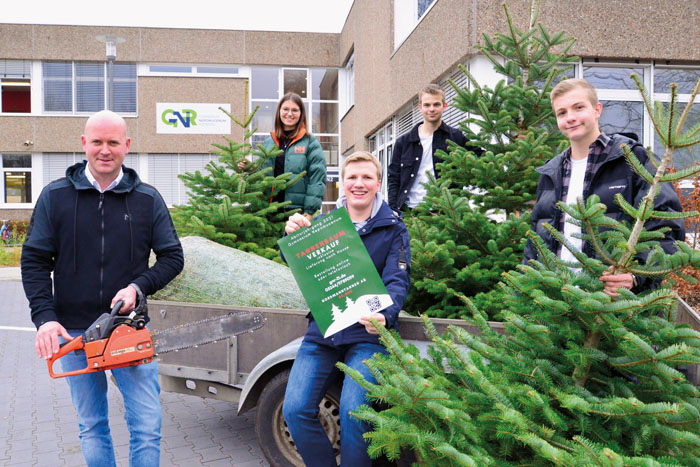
(342, 202)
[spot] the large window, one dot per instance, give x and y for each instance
(16, 180)
(685, 78)
(163, 170)
(81, 87)
(623, 108)
(15, 86)
(318, 88)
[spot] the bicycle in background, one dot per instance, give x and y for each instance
(7, 236)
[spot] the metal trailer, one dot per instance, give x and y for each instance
(252, 369)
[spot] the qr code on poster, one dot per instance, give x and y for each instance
(374, 304)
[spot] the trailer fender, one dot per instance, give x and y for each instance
(264, 371)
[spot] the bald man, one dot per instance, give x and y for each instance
(95, 229)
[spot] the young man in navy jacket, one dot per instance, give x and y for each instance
(414, 153)
(386, 239)
(95, 229)
(594, 164)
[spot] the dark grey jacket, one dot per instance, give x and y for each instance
(613, 176)
(405, 162)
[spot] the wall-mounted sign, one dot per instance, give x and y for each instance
(192, 119)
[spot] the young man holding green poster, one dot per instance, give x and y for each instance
(386, 239)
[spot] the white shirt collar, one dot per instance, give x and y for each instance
(96, 184)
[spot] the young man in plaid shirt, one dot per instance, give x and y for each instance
(594, 164)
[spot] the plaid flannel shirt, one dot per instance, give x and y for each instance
(595, 150)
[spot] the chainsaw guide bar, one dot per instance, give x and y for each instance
(206, 331)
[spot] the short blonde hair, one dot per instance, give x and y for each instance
(571, 84)
(361, 156)
(432, 89)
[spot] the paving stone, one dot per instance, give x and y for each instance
(238, 423)
(221, 433)
(46, 437)
(72, 447)
(23, 464)
(225, 462)
(194, 432)
(47, 446)
(212, 422)
(170, 430)
(242, 454)
(247, 434)
(21, 444)
(251, 463)
(43, 418)
(233, 444)
(48, 458)
(168, 420)
(18, 456)
(166, 460)
(188, 421)
(175, 441)
(50, 426)
(202, 442)
(212, 454)
(193, 462)
(74, 459)
(181, 453)
(21, 434)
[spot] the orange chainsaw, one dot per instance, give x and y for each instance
(116, 341)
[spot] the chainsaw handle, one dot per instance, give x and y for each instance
(116, 308)
(70, 346)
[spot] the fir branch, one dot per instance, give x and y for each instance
(647, 102)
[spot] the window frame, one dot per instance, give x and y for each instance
(309, 102)
(406, 19)
(74, 89)
(26, 75)
(33, 180)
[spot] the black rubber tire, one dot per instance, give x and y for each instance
(271, 430)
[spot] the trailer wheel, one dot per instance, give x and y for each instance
(271, 429)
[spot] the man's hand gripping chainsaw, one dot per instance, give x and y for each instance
(116, 341)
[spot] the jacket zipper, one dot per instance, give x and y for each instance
(101, 210)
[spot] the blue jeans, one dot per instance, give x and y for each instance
(312, 373)
(139, 387)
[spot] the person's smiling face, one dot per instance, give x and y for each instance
(289, 115)
(360, 185)
(577, 117)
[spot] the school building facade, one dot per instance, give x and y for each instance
(359, 86)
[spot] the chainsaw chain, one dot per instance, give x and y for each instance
(259, 324)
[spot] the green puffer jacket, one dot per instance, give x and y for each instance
(304, 154)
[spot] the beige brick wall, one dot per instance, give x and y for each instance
(387, 79)
(153, 90)
(45, 42)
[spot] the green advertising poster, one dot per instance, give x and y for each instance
(334, 272)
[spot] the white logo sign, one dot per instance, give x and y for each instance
(192, 119)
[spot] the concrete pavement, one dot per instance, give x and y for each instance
(38, 424)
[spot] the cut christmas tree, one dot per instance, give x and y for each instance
(233, 206)
(469, 229)
(580, 378)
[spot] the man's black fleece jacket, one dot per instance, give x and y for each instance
(95, 244)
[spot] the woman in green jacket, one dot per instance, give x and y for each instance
(301, 152)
